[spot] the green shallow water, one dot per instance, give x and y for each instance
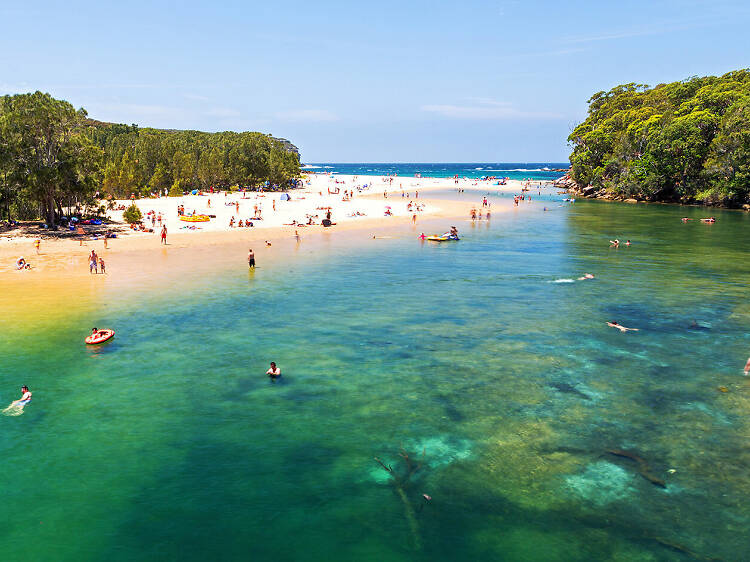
(169, 443)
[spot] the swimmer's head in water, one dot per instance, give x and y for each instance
(273, 364)
(24, 388)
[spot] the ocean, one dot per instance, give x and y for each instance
(514, 170)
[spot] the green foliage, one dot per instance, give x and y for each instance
(684, 141)
(53, 156)
(150, 160)
(132, 214)
(47, 158)
(177, 189)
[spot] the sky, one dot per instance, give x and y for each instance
(386, 81)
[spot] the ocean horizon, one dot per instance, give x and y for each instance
(536, 171)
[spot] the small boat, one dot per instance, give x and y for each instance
(195, 218)
(443, 238)
(100, 337)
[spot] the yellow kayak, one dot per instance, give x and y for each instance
(195, 218)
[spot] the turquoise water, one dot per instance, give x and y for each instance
(512, 170)
(476, 358)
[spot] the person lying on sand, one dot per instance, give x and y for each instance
(623, 329)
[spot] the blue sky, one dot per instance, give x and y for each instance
(409, 81)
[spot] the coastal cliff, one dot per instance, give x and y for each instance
(592, 192)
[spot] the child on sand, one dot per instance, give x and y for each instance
(101, 266)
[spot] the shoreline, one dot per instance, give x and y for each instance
(139, 264)
(66, 256)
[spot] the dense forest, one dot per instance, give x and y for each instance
(53, 156)
(686, 141)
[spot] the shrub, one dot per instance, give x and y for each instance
(132, 214)
(176, 189)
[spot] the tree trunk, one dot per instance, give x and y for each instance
(49, 206)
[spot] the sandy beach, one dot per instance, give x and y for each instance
(377, 204)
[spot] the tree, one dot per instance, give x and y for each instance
(47, 151)
(132, 214)
(683, 141)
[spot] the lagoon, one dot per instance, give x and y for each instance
(478, 359)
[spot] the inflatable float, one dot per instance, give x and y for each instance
(100, 337)
(195, 218)
(435, 238)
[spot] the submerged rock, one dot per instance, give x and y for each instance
(601, 483)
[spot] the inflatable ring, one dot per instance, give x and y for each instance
(100, 337)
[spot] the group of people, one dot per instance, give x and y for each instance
(21, 263)
(477, 215)
(616, 243)
(96, 264)
(242, 223)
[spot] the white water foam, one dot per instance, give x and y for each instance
(13, 410)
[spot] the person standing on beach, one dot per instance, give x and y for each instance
(250, 258)
(37, 243)
(93, 262)
(164, 234)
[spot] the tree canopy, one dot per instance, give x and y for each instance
(685, 141)
(143, 160)
(53, 156)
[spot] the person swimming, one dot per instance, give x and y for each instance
(274, 372)
(25, 397)
(586, 276)
(623, 329)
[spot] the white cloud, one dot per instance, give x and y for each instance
(485, 108)
(307, 115)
